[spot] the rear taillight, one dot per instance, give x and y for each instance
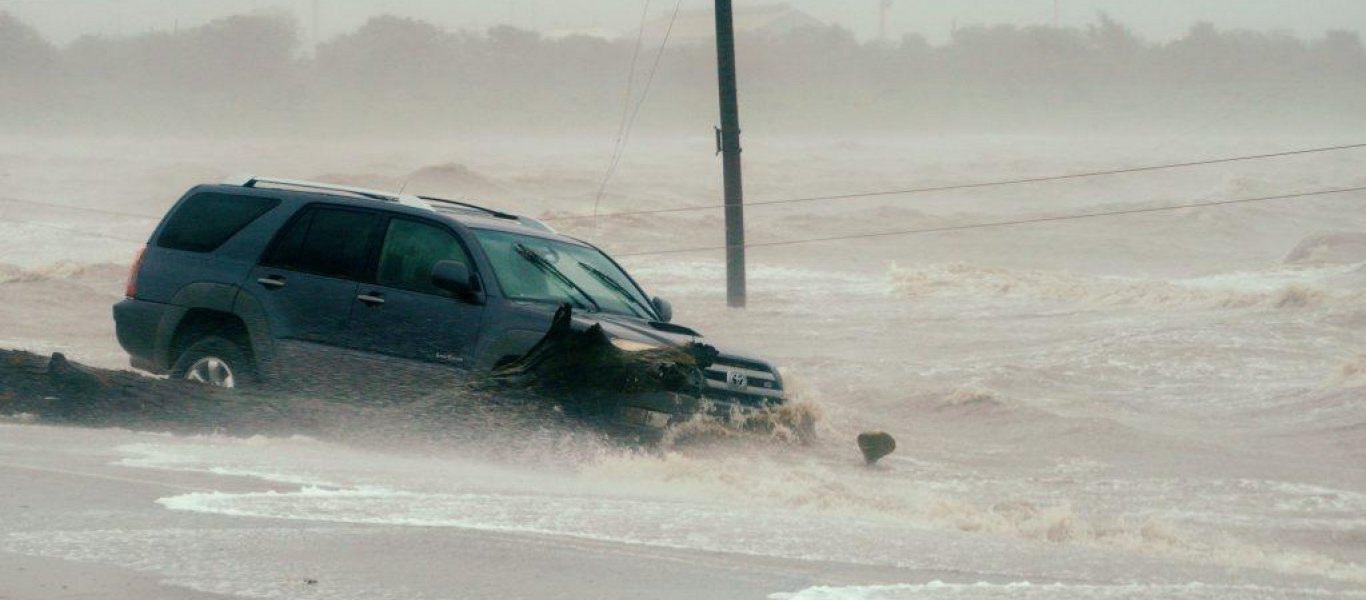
(131, 290)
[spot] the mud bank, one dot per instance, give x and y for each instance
(53, 390)
(546, 392)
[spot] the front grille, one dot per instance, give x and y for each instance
(743, 363)
(722, 376)
(742, 381)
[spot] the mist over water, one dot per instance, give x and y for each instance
(396, 76)
(1166, 405)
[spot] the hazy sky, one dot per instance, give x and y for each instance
(63, 20)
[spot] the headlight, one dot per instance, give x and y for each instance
(633, 346)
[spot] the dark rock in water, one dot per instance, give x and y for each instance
(875, 445)
(70, 378)
(58, 363)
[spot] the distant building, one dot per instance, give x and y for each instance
(699, 26)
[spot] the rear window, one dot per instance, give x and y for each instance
(205, 221)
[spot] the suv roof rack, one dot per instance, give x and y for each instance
(404, 199)
(474, 207)
(468, 207)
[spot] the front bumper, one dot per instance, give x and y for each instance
(734, 387)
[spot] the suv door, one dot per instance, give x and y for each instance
(306, 282)
(402, 314)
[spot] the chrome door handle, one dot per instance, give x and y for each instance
(274, 282)
(371, 299)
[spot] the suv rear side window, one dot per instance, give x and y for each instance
(334, 242)
(205, 221)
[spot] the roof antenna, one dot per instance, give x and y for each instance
(407, 178)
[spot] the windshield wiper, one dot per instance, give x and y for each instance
(544, 265)
(617, 287)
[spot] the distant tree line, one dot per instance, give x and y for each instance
(402, 77)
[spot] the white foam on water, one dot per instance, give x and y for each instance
(217, 561)
(37, 245)
(1024, 590)
(1283, 287)
(1272, 279)
(739, 508)
(1163, 518)
(1352, 373)
(607, 505)
(719, 528)
(223, 457)
(692, 277)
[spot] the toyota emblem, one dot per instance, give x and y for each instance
(736, 379)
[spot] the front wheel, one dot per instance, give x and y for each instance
(214, 361)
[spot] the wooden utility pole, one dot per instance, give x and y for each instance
(728, 139)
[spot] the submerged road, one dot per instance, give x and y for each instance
(78, 525)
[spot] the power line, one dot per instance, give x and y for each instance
(962, 186)
(1029, 221)
(644, 93)
(976, 185)
(625, 105)
(920, 190)
(876, 234)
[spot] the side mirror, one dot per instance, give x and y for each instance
(663, 308)
(454, 277)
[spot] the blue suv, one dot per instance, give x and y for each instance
(256, 279)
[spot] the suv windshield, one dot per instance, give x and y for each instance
(539, 269)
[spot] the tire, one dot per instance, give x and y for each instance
(215, 361)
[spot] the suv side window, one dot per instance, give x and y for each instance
(333, 242)
(410, 252)
(204, 221)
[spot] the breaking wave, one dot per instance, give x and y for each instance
(445, 179)
(1059, 591)
(1353, 371)
(700, 500)
(713, 527)
(60, 270)
(1285, 290)
(794, 422)
(1329, 248)
(815, 489)
(971, 396)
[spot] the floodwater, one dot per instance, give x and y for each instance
(1165, 405)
